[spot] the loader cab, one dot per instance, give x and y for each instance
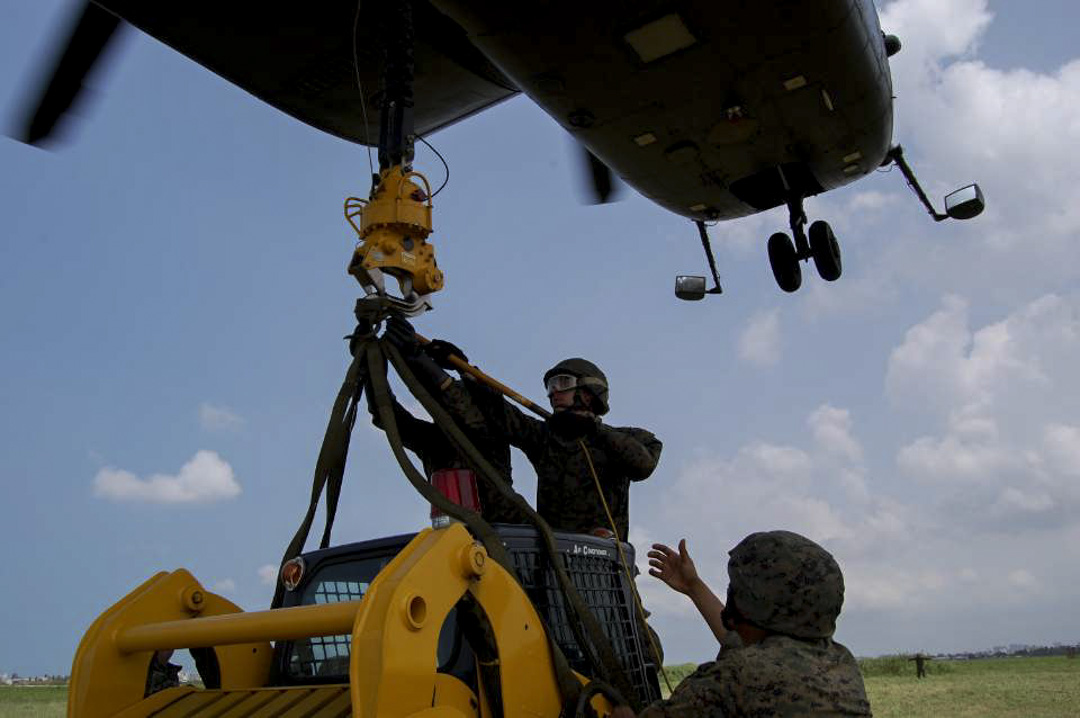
(344, 573)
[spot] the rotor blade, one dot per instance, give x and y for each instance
(89, 38)
(600, 176)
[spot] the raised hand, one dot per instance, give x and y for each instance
(676, 569)
(401, 334)
(441, 350)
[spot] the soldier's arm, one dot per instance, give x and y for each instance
(415, 433)
(635, 451)
(498, 419)
(698, 696)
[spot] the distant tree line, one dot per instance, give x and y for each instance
(1017, 651)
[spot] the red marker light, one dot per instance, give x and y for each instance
(291, 573)
(458, 485)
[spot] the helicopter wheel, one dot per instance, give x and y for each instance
(825, 250)
(784, 262)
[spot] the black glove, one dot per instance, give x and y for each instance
(427, 371)
(401, 334)
(572, 425)
(441, 350)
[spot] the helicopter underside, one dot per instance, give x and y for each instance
(716, 110)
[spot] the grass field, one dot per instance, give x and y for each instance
(33, 701)
(1029, 687)
(1036, 687)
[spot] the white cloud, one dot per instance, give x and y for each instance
(225, 585)
(1013, 500)
(203, 479)
(934, 30)
(951, 458)
(831, 428)
(1005, 128)
(1062, 448)
(1023, 579)
(759, 342)
(268, 574)
(985, 500)
(219, 418)
(871, 200)
(1001, 458)
(942, 364)
(820, 491)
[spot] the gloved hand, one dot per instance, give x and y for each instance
(401, 334)
(571, 425)
(441, 350)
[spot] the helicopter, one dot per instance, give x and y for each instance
(711, 110)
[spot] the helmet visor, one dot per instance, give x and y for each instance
(560, 382)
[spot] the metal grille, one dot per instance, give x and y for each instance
(603, 587)
(326, 655)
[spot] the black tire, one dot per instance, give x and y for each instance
(784, 262)
(825, 250)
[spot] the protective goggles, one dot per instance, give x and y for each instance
(560, 382)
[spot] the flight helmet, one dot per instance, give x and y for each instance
(578, 373)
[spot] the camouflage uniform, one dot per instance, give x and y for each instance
(566, 494)
(792, 588)
(161, 675)
(920, 664)
(436, 452)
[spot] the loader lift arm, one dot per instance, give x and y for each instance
(395, 631)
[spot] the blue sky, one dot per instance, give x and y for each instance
(174, 295)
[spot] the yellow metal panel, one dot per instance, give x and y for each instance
(156, 702)
(106, 680)
(392, 666)
(527, 675)
(322, 702)
(190, 705)
(227, 701)
(340, 707)
(251, 704)
(452, 692)
(281, 700)
(314, 704)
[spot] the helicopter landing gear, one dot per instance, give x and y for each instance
(785, 262)
(785, 255)
(825, 250)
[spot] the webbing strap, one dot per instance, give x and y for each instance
(380, 393)
(330, 466)
(590, 636)
(569, 686)
(368, 369)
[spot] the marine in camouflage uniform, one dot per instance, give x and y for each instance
(920, 664)
(561, 447)
(435, 451)
(785, 593)
(161, 674)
